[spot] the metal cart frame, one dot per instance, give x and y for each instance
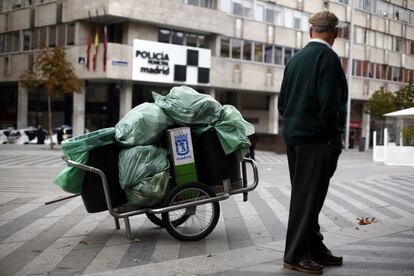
(125, 213)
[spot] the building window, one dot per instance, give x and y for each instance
(52, 36)
(379, 40)
(242, 7)
(408, 75)
(269, 14)
(258, 52)
(178, 38)
(259, 12)
(237, 7)
(247, 50)
(396, 74)
(115, 33)
(370, 38)
(268, 54)
(278, 55)
(71, 34)
(181, 38)
(288, 18)
(343, 30)
(357, 68)
(16, 42)
(191, 40)
(359, 35)
(42, 37)
(247, 8)
(236, 48)
(164, 35)
(61, 34)
(344, 63)
(224, 47)
(411, 47)
(297, 20)
(388, 42)
(199, 3)
(27, 37)
(202, 41)
(2, 43)
(288, 55)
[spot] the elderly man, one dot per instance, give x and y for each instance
(312, 102)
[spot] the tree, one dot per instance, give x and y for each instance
(53, 72)
(381, 102)
(404, 98)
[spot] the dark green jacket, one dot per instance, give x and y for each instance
(313, 96)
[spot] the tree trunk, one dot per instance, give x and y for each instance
(49, 112)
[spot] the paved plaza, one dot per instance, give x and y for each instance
(63, 239)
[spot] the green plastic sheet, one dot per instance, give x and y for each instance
(149, 191)
(139, 162)
(232, 131)
(76, 149)
(189, 108)
(142, 125)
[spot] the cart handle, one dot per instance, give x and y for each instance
(255, 177)
(103, 178)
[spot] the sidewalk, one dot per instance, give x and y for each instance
(62, 239)
(267, 259)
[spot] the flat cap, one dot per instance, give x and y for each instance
(324, 19)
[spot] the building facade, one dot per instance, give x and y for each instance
(234, 50)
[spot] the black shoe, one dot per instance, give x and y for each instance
(328, 259)
(307, 266)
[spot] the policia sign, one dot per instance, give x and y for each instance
(168, 63)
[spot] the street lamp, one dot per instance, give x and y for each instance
(350, 61)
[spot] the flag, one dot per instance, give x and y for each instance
(105, 46)
(88, 49)
(95, 49)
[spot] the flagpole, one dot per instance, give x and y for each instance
(96, 43)
(350, 61)
(105, 40)
(88, 49)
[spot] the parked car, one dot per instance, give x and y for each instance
(3, 136)
(66, 132)
(22, 136)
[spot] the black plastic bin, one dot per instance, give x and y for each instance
(106, 159)
(212, 165)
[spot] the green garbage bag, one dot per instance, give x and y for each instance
(142, 125)
(232, 131)
(76, 149)
(150, 190)
(139, 162)
(187, 107)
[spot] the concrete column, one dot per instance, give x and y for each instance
(125, 98)
(78, 112)
(273, 115)
(22, 106)
(212, 92)
(366, 128)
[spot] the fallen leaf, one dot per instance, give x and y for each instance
(83, 242)
(366, 221)
(137, 240)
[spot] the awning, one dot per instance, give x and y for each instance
(404, 113)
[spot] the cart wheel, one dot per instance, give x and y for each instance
(156, 219)
(196, 222)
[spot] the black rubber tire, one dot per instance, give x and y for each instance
(155, 219)
(172, 225)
